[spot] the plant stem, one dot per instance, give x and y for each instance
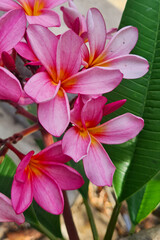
(44, 230)
(112, 222)
(23, 112)
(71, 229)
(47, 138)
(18, 153)
(91, 219)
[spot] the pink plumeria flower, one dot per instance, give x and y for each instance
(43, 177)
(115, 54)
(74, 20)
(37, 11)
(7, 213)
(83, 140)
(61, 58)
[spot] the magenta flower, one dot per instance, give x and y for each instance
(114, 55)
(43, 177)
(83, 140)
(37, 11)
(62, 61)
(7, 213)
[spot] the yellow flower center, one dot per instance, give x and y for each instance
(32, 10)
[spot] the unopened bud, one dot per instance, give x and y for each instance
(8, 61)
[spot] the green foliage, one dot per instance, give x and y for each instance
(138, 161)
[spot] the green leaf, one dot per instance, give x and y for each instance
(36, 216)
(145, 200)
(79, 167)
(138, 160)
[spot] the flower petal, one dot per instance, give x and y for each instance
(10, 88)
(54, 3)
(47, 18)
(47, 194)
(68, 62)
(25, 51)
(7, 5)
(96, 32)
(71, 179)
(53, 153)
(21, 194)
(12, 28)
(112, 107)
(24, 99)
(92, 111)
(7, 213)
(118, 130)
(96, 80)
(75, 143)
(121, 43)
(41, 88)
(44, 46)
(132, 66)
(76, 112)
(98, 165)
(57, 111)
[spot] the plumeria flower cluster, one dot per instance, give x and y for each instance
(86, 60)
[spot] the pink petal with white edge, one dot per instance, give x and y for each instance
(132, 66)
(25, 51)
(96, 32)
(7, 213)
(121, 43)
(75, 143)
(118, 130)
(10, 88)
(92, 111)
(12, 28)
(98, 166)
(57, 111)
(21, 194)
(41, 88)
(71, 179)
(47, 18)
(7, 5)
(112, 107)
(53, 153)
(44, 46)
(97, 80)
(47, 194)
(68, 62)
(76, 112)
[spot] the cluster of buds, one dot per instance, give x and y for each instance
(87, 60)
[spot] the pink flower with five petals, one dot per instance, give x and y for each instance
(43, 177)
(62, 61)
(83, 140)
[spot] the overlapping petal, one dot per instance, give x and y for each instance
(96, 80)
(10, 88)
(71, 179)
(75, 113)
(57, 111)
(53, 3)
(96, 29)
(7, 5)
(98, 166)
(7, 213)
(118, 130)
(132, 66)
(53, 153)
(92, 111)
(12, 28)
(44, 45)
(41, 87)
(48, 194)
(47, 18)
(112, 107)
(25, 51)
(76, 143)
(68, 61)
